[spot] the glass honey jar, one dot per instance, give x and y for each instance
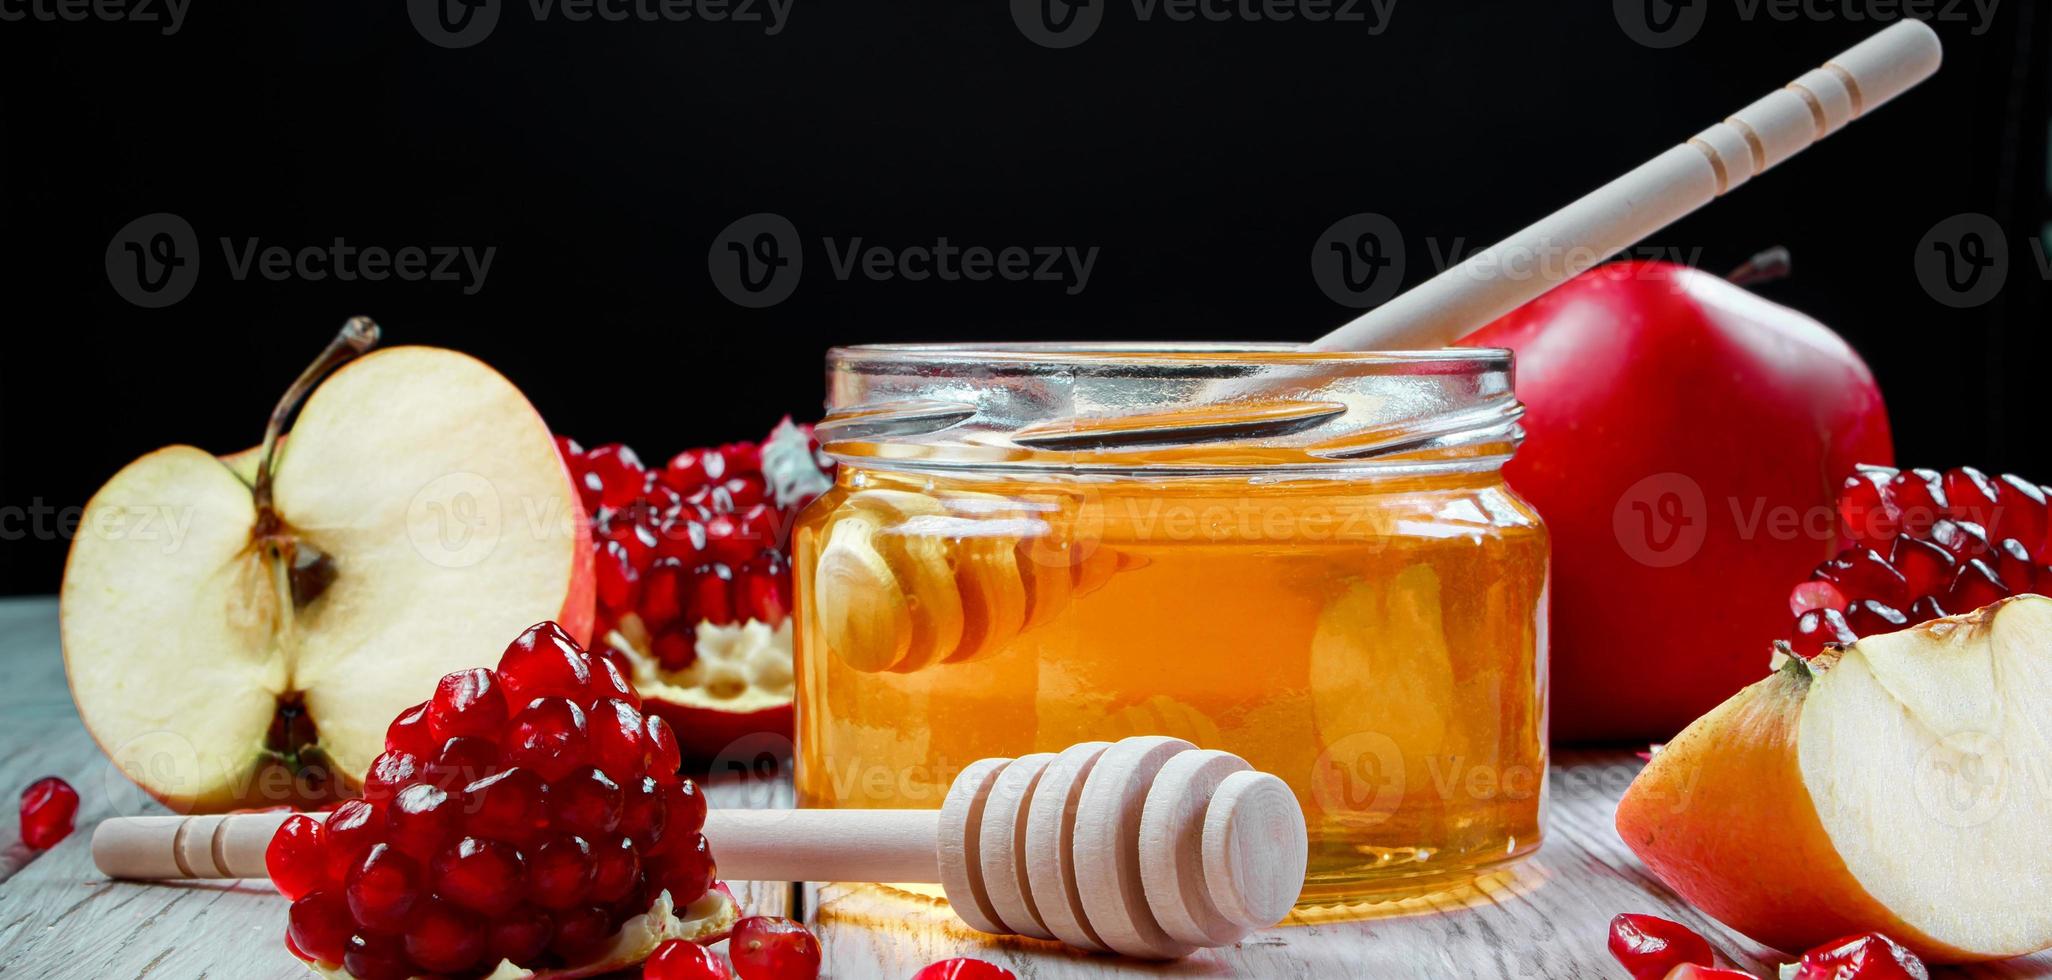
(1310, 560)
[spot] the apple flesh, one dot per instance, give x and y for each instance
(235, 642)
(1684, 442)
(1894, 786)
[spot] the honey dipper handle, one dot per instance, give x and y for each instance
(750, 845)
(1624, 212)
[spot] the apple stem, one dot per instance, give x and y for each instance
(1772, 265)
(358, 334)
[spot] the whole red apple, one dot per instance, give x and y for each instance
(1685, 440)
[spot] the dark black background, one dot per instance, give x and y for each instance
(1204, 159)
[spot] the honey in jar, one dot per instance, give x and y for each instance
(1308, 560)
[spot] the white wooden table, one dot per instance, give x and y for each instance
(59, 918)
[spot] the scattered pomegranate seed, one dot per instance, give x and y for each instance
(1819, 628)
(527, 838)
(771, 947)
(1871, 956)
(964, 968)
(1690, 971)
(1924, 544)
(47, 808)
(682, 959)
(297, 858)
(1648, 947)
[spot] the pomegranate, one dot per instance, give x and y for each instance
(771, 947)
(682, 959)
(1870, 956)
(47, 808)
(1919, 545)
(694, 580)
(528, 814)
(1649, 947)
(964, 968)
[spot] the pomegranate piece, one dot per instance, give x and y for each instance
(297, 858)
(47, 808)
(964, 968)
(1649, 947)
(1818, 628)
(682, 959)
(771, 947)
(530, 837)
(1953, 542)
(1870, 956)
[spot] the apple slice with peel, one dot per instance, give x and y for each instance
(237, 641)
(1898, 785)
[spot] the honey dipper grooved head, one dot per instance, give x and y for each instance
(1148, 847)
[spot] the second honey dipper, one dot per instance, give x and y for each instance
(1149, 846)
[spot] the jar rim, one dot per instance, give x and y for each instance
(1164, 353)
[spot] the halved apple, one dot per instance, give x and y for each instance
(1898, 785)
(235, 642)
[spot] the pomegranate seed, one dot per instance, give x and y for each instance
(1919, 499)
(483, 876)
(586, 802)
(463, 760)
(682, 959)
(964, 968)
(467, 702)
(618, 871)
(758, 595)
(1648, 946)
(608, 681)
(408, 733)
(543, 662)
(686, 472)
(1926, 609)
(619, 582)
(1871, 956)
(746, 491)
(352, 828)
(420, 819)
(508, 806)
(1870, 617)
(617, 740)
(675, 651)
(665, 758)
(390, 771)
(520, 936)
(771, 947)
(569, 448)
(1861, 573)
(685, 541)
(685, 871)
(376, 957)
(660, 608)
(2023, 511)
(1816, 629)
(1964, 541)
(741, 457)
(726, 542)
(548, 737)
(2041, 580)
(2013, 564)
(1865, 514)
(580, 932)
(1976, 586)
(47, 808)
(297, 857)
(1927, 568)
(383, 889)
(1973, 496)
(643, 814)
(444, 939)
(708, 596)
(559, 873)
(319, 925)
(687, 808)
(1815, 594)
(620, 474)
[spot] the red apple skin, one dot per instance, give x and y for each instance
(1645, 382)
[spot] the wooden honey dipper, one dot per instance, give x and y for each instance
(1148, 846)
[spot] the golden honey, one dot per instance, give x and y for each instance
(1373, 633)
